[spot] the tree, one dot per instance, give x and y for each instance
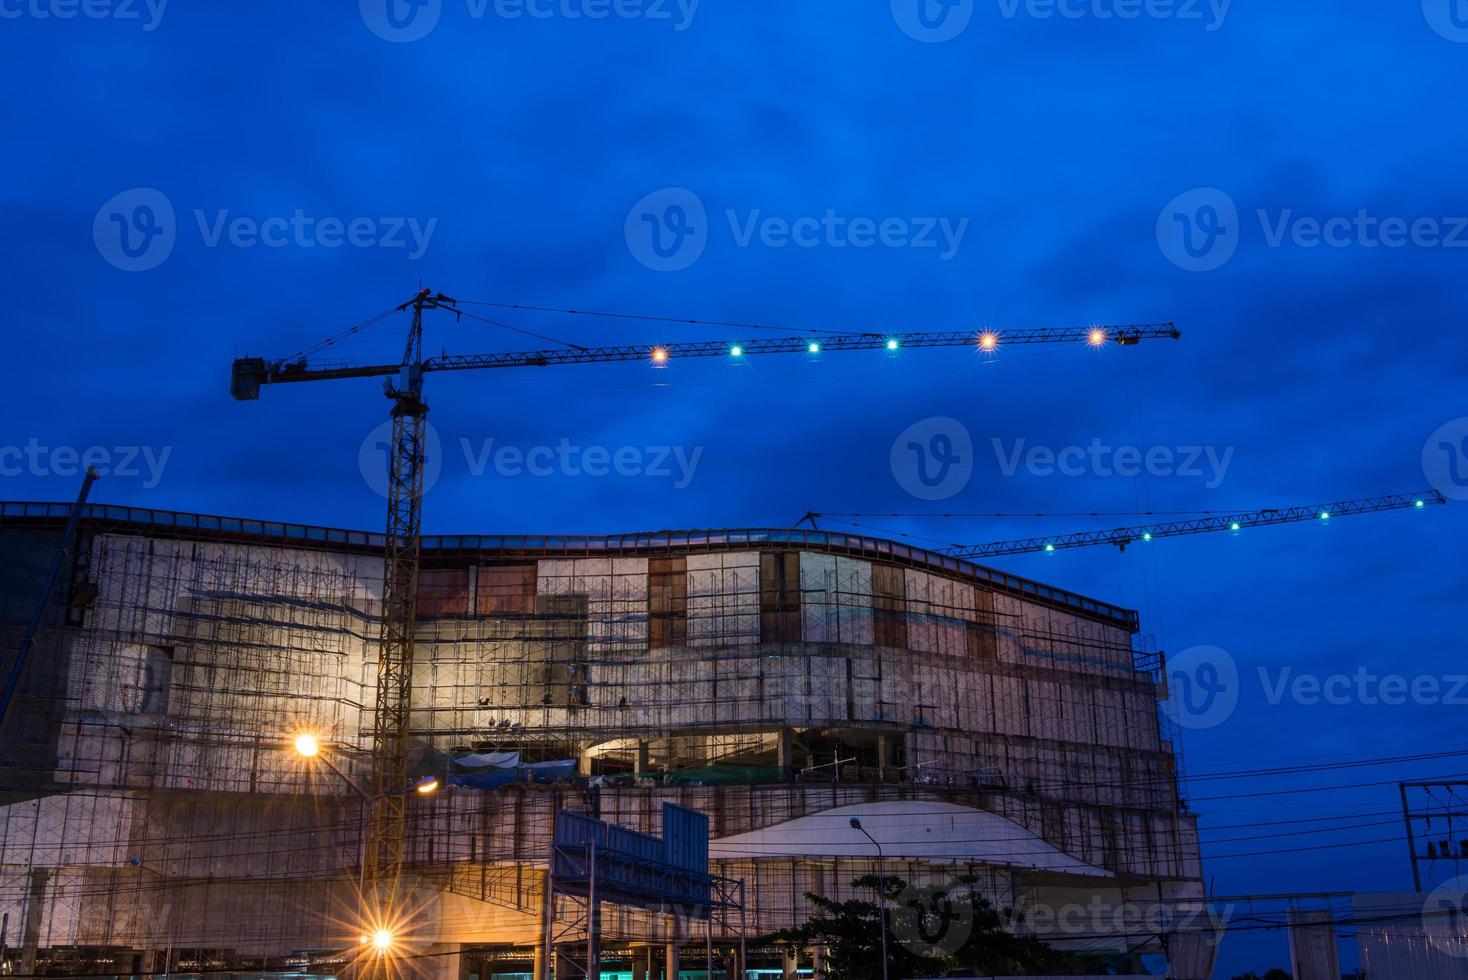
(919, 940)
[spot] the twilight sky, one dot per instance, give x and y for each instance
(185, 183)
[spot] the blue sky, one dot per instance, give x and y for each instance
(1065, 155)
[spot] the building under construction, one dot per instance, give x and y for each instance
(156, 817)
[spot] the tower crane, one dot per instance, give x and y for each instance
(1121, 537)
(383, 851)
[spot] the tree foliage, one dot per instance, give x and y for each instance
(929, 934)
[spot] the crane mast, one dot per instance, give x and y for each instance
(384, 848)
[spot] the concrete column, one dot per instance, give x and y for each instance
(644, 758)
(670, 961)
(783, 754)
(791, 966)
(538, 973)
(884, 756)
(639, 963)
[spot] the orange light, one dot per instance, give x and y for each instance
(988, 341)
(659, 355)
(382, 940)
(1097, 337)
(426, 785)
(307, 745)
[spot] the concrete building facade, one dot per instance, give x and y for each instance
(979, 725)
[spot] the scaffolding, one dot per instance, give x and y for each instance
(172, 825)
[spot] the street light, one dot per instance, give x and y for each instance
(881, 889)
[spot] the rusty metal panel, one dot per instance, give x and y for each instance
(443, 592)
(667, 580)
(779, 597)
(505, 590)
(889, 606)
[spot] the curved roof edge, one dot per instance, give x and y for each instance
(184, 524)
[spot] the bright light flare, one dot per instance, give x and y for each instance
(1097, 337)
(1325, 515)
(813, 347)
(307, 745)
(659, 355)
(382, 940)
(1234, 526)
(736, 351)
(892, 344)
(426, 785)
(988, 341)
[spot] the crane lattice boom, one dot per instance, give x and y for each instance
(1123, 536)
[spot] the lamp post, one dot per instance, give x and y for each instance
(309, 747)
(881, 889)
